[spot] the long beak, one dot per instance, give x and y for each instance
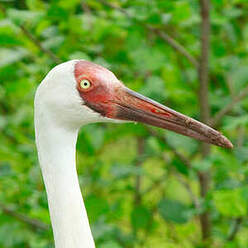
(133, 106)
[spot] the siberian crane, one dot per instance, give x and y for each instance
(76, 93)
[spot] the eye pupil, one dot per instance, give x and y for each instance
(85, 84)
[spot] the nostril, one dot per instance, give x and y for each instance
(161, 112)
(156, 111)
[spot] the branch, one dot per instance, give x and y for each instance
(204, 177)
(240, 136)
(203, 67)
(34, 40)
(25, 219)
(172, 42)
(218, 116)
(238, 221)
(2, 9)
(189, 190)
(113, 6)
(85, 8)
(140, 148)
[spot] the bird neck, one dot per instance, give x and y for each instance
(56, 150)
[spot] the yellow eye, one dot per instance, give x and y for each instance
(85, 84)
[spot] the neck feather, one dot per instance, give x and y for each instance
(56, 150)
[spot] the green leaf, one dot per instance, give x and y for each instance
(166, 18)
(202, 165)
(241, 153)
(101, 229)
(8, 40)
(9, 56)
(55, 41)
(56, 13)
(154, 88)
(146, 59)
(22, 16)
(173, 211)
(181, 167)
(234, 122)
(140, 217)
(96, 206)
(124, 171)
(230, 203)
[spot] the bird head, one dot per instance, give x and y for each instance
(79, 92)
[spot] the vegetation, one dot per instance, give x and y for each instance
(142, 186)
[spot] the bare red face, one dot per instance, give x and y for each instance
(101, 91)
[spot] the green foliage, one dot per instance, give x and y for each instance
(140, 218)
(149, 197)
(231, 203)
(173, 211)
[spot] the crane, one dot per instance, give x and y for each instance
(74, 94)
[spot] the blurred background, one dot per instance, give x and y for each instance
(143, 187)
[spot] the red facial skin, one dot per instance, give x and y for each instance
(102, 93)
(99, 94)
(109, 97)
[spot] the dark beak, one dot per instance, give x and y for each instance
(132, 106)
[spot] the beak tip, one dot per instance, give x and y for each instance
(230, 145)
(226, 143)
